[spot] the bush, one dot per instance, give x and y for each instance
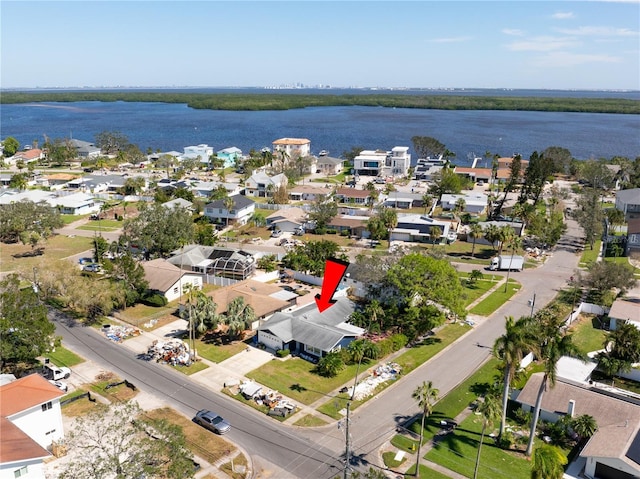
(332, 232)
(344, 233)
(154, 300)
(506, 441)
(283, 353)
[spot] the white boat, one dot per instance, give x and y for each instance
(323, 153)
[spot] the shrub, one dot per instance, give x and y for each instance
(332, 232)
(155, 300)
(344, 233)
(283, 353)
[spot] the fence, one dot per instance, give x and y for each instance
(588, 308)
(219, 280)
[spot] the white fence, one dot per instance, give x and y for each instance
(588, 308)
(219, 280)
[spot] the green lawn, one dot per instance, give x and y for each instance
(473, 292)
(102, 225)
(194, 368)
(587, 334)
(496, 299)
(457, 451)
(425, 472)
(56, 247)
(590, 255)
(218, 352)
(63, 357)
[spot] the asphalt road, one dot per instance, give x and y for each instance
(317, 453)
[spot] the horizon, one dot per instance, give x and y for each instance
(522, 45)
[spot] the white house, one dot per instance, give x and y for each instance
(292, 147)
(370, 163)
(169, 280)
(400, 160)
(474, 203)
(418, 228)
(628, 201)
(261, 185)
(287, 219)
(75, 204)
(30, 421)
(203, 152)
(329, 166)
(308, 193)
(242, 209)
(625, 310)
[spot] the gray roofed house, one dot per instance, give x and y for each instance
(167, 279)
(329, 166)
(216, 261)
(85, 149)
(243, 208)
(178, 203)
(628, 201)
(614, 450)
(306, 331)
(624, 310)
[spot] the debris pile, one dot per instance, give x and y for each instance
(278, 405)
(118, 333)
(174, 352)
(381, 374)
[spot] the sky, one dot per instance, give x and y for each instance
(582, 45)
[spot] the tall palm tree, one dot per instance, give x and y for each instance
(375, 311)
(427, 396)
(510, 348)
(435, 232)
(489, 410)
(492, 235)
(475, 232)
(548, 463)
(427, 201)
(389, 219)
(505, 233)
(553, 343)
(228, 205)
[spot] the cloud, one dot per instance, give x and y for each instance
(450, 40)
(566, 59)
(562, 15)
(543, 44)
(513, 31)
(598, 31)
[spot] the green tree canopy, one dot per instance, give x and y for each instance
(312, 256)
(27, 216)
(25, 330)
(425, 146)
(10, 146)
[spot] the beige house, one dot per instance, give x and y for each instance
(287, 219)
(169, 280)
(292, 147)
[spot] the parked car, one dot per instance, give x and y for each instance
(211, 421)
(276, 234)
(54, 373)
(60, 385)
(92, 268)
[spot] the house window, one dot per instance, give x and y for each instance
(314, 351)
(23, 471)
(47, 405)
(49, 432)
(175, 290)
(220, 210)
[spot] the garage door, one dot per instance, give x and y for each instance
(269, 340)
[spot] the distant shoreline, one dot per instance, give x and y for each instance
(260, 101)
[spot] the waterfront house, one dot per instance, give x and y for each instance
(292, 147)
(242, 209)
(85, 149)
(329, 166)
(229, 156)
(202, 152)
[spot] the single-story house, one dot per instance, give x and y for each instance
(628, 201)
(75, 204)
(30, 421)
(475, 174)
(354, 195)
(242, 209)
(624, 310)
(516, 226)
(308, 193)
(307, 331)
(85, 149)
(261, 185)
(355, 225)
(403, 200)
(613, 452)
(633, 238)
(216, 261)
(178, 203)
(32, 154)
(264, 298)
(474, 203)
(287, 219)
(426, 168)
(206, 188)
(169, 280)
(327, 165)
(417, 228)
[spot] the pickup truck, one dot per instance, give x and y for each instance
(55, 373)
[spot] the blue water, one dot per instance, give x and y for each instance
(167, 127)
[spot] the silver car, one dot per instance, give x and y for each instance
(211, 421)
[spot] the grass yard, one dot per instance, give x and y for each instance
(200, 441)
(236, 469)
(193, 368)
(587, 334)
(217, 351)
(477, 289)
(457, 451)
(63, 357)
(117, 393)
(101, 225)
(590, 255)
(56, 247)
(79, 407)
(425, 472)
(496, 299)
(310, 421)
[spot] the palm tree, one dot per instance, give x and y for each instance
(389, 219)
(435, 232)
(552, 345)
(505, 233)
(228, 205)
(584, 426)
(427, 201)
(548, 463)
(375, 311)
(492, 235)
(475, 232)
(489, 409)
(510, 348)
(239, 316)
(427, 396)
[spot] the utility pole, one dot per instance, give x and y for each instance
(533, 303)
(346, 449)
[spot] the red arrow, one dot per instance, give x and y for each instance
(333, 272)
